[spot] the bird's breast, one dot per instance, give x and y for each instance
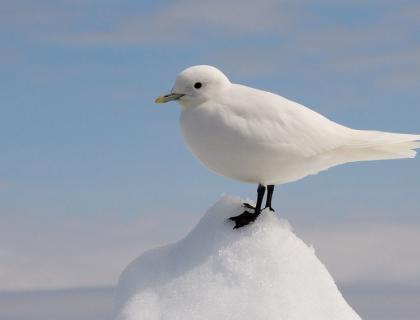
(223, 143)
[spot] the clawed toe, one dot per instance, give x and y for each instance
(243, 219)
(248, 206)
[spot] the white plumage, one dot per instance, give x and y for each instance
(256, 136)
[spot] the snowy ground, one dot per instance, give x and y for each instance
(262, 271)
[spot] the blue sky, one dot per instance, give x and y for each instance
(89, 162)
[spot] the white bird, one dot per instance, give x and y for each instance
(259, 137)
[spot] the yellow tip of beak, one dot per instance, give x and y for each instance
(160, 99)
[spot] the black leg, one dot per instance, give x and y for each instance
(270, 190)
(247, 217)
(260, 197)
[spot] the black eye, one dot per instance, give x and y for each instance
(198, 85)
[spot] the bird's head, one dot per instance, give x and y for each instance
(195, 85)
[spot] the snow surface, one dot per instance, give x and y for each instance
(262, 271)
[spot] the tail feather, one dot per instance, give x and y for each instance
(364, 138)
(366, 146)
(377, 145)
(403, 150)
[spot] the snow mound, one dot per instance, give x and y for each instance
(262, 271)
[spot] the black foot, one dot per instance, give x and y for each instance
(243, 219)
(270, 208)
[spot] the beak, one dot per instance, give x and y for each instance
(169, 97)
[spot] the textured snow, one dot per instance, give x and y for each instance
(262, 271)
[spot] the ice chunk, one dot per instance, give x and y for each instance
(261, 271)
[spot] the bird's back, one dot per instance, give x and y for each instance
(273, 119)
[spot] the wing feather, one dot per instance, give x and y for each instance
(272, 119)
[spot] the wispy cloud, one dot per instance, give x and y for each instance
(386, 47)
(380, 38)
(168, 23)
(183, 21)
